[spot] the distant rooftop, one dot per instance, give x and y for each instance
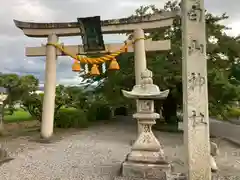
(87, 88)
(3, 90)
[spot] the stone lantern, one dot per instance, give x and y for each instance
(146, 159)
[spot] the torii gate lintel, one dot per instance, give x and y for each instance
(111, 26)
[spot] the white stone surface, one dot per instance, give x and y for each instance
(164, 19)
(78, 49)
(195, 97)
(49, 89)
(140, 62)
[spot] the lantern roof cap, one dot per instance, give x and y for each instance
(146, 90)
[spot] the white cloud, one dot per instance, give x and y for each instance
(31, 10)
(75, 80)
(235, 29)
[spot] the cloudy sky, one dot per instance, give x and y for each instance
(13, 41)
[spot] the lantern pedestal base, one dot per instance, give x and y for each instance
(146, 157)
(146, 170)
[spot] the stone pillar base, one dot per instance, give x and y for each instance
(49, 140)
(145, 170)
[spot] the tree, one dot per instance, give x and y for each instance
(28, 83)
(33, 102)
(222, 56)
(17, 87)
(10, 82)
(78, 98)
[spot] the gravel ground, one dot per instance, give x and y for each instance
(96, 154)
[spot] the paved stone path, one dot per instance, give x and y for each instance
(96, 154)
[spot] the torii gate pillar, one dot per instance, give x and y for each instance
(140, 63)
(49, 89)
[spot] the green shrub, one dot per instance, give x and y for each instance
(98, 112)
(233, 113)
(218, 111)
(71, 118)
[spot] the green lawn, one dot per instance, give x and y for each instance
(18, 116)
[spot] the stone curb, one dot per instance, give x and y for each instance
(233, 141)
(225, 130)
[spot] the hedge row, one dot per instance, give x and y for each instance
(81, 118)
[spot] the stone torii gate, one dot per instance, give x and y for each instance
(195, 96)
(52, 31)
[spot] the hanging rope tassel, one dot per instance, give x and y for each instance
(114, 65)
(95, 70)
(76, 67)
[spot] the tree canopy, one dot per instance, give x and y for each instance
(222, 63)
(17, 87)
